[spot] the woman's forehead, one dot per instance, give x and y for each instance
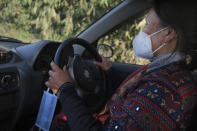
(152, 17)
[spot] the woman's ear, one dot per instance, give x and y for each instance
(170, 35)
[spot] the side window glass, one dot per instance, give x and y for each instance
(121, 42)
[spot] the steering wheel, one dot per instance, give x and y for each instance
(89, 81)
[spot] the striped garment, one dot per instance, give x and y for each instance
(160, 100)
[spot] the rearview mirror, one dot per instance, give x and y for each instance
(105, 50)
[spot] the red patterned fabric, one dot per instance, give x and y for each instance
(160, 100)
(59, 120)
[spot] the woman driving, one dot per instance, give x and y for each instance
(158, 96)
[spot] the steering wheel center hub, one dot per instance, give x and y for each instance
(84, 75)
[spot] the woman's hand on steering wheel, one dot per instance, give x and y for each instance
(104, 65)
(57, 77)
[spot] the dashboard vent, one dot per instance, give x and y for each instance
(8, 80)
(5, 56)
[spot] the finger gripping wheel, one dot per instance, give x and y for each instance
(86, 81)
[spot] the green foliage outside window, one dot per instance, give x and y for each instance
(53, 19)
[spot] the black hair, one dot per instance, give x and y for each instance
(182, 17)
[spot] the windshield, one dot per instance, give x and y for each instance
(33, 20)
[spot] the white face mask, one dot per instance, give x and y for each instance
(46, 111)
(142, 45)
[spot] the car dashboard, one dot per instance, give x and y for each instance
(22, 78)
(9, 84)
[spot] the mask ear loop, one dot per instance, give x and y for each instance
(162, 44)
(48, 89)
(159, 47)
(159, 31)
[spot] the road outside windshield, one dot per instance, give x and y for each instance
(34, 20)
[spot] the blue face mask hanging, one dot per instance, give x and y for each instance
(46, 111)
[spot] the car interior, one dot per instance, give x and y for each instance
(24, 67)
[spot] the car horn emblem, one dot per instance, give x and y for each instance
(86, 74)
